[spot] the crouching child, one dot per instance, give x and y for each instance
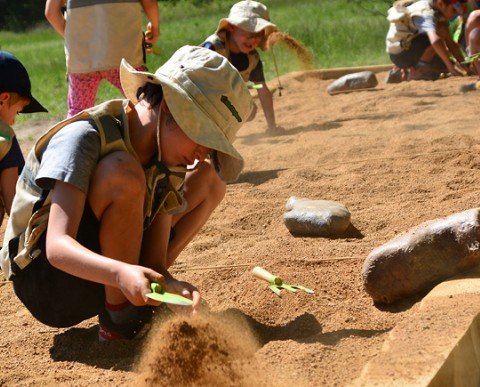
(106, 203)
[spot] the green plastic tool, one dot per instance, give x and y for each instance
(254, 86)
(471, 58)
(159, 294)
(276, 283)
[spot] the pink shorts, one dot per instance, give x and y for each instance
(82, 88)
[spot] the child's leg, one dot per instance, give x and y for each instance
(113, 76)
(116, 195)
(204, 190)
(472, 34)
(111, 225)
(82, 91)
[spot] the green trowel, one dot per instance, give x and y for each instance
(276, 283)
(471, 58)
(159, 294)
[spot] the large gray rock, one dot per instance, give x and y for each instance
(352, 82)
(423, 256)
(305, 217)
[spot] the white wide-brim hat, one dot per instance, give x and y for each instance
(250, 16)
(207, 97)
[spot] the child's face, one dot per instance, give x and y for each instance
(177, 148)
(448, 10)
(243, 41)
(9, 109)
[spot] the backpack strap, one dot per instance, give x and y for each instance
(20, 259)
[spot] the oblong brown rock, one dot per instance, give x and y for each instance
(422, 257)
(352, 82)
(307, 217)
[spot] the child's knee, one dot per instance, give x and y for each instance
(474, 38)
(118, 176)
(217, 187)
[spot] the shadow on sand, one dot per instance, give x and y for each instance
(82, 345)
(303, 329)
(258, 177)
(256, 138)
(350, 233)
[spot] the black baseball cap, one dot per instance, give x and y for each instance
(14, 78)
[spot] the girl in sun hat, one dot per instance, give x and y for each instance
(15, 97)
(105, 203)
(237, 37)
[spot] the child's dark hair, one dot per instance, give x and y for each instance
(151, 93)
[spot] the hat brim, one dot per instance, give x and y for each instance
(204, 131)
(252, 25)
(34, 107)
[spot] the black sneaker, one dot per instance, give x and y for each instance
(110, 331)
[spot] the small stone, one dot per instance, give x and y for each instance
(306, 217)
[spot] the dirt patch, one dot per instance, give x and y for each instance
(201, 351)
(395, 156)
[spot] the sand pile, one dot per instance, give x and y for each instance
(200, 351)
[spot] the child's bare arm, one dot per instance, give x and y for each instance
(266, 100)
(441, 49)
(446, 36)
(8, 182)
(154, 255)
(65, 253)
(53, 13)
(150, 7)
(155, 244)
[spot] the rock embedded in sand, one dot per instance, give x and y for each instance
(306, 217)
(423, 256)
(352, 82)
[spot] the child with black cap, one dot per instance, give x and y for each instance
(15, 97)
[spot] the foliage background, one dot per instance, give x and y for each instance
(338, 33)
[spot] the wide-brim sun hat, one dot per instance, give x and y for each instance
(207, 98)
(250, 16)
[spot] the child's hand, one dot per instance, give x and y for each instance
(134, 282)
(152, 34)
(187, 290)
(456, 69)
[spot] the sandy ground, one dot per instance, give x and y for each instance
(396, 156)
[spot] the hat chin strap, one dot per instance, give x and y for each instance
(159, 149)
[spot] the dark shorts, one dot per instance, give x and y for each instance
(54, 297)
(409, 58)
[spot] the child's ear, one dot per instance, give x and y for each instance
(4, 96)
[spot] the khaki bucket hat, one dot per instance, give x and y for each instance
(207, 97)
(250, 16)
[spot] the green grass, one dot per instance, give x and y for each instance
(338, 33)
